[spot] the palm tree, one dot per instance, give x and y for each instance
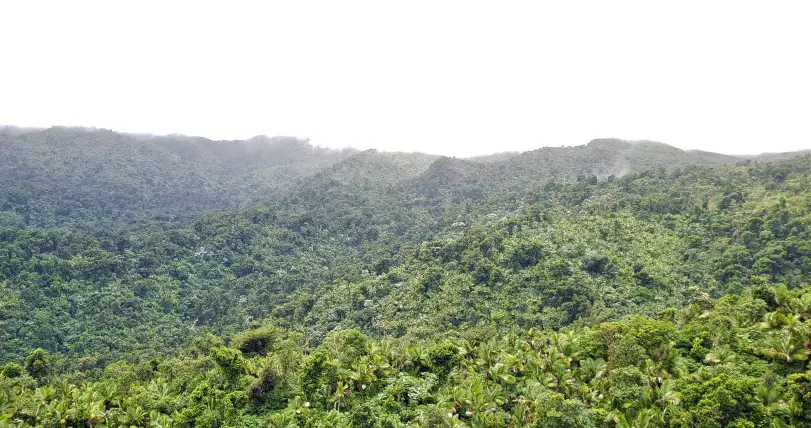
(649, 418)
(466, 350)
(8, 407)
(783, 296)
(501, 373)
(416, 356)
(772, 320)
(339, 397)
(453, 421)
(488, 354)
(513, 362)
(721, 355)
(133, 415)
(159, 420)
(159, 391)
(109, 393)
(58, 410)
(769, 393)
(618, 418)
(97, 413)
(282, 420)
(45, 394)
(522, 414)
(783, 347)
(495, 394)
(673, 364)
(802, 306)
(361, 375)
(590, 369)
(478, 400)
(568, 344)
(378, 361)
(668, 396)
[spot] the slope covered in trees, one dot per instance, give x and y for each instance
(587, 250)
(82, 176)
(737, 361)
(176, 281)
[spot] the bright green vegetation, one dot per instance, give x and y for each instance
(737, 361)
(175, 281)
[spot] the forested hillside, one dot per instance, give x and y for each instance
(87, 178)
(81, 177)
(178, 281)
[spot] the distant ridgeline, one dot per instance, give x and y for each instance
(88, 177)
(68, 175)
(612, 273)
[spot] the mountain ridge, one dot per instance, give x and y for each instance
(18, 130)
(184, 282)
(132, 177)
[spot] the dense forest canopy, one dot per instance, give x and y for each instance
(178, 281)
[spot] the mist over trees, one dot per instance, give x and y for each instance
(178, 281)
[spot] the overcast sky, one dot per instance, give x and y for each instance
(450, 77)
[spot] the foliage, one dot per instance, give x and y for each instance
(527, 378)
(173, 281)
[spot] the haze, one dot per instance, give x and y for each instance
(460, 78)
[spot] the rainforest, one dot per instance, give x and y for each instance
(173, 281)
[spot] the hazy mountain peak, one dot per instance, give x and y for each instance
(618, 143)
(446, 169)
(608, 142)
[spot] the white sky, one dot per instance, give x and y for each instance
(450, 77)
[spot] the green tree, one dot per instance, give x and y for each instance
(38, 364)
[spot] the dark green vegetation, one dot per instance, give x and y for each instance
(80, 177)
(175, 281)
